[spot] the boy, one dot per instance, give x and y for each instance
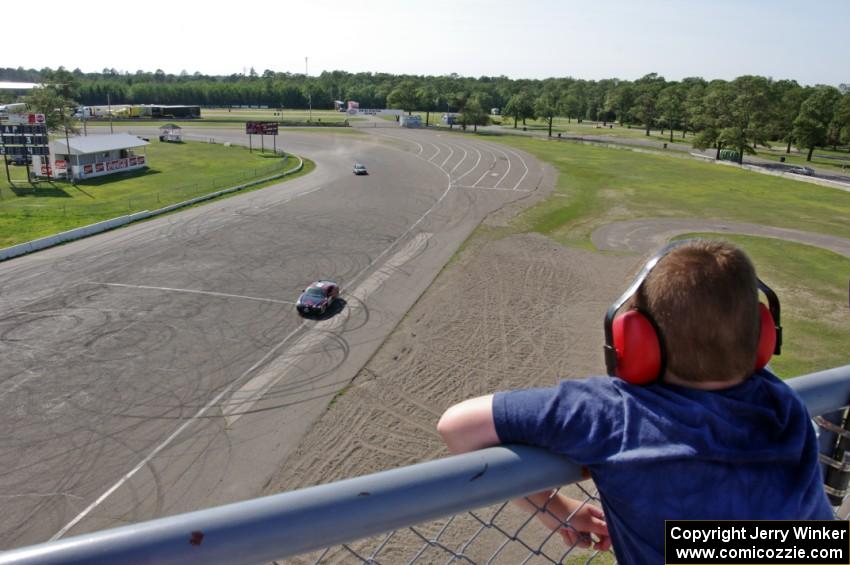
(711, 439)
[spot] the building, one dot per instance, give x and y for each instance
(18, 88)
(171, 132)
(92, 156)
(409, 121)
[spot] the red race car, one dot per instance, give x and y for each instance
(317, 298)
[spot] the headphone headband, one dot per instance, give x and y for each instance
(610, 351)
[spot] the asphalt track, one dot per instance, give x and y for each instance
(162, 368)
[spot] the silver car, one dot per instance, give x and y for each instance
(808, 171)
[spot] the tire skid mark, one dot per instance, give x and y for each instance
(254, 389)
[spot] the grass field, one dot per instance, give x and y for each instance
(599, 185)
(822, 158)
(809, 281)
(177, 172)
(573, 127)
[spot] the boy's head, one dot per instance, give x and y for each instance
(703, 296)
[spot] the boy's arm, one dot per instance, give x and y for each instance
(469, 426)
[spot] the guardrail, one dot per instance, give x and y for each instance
(403, 502)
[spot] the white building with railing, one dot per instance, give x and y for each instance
(92, 156)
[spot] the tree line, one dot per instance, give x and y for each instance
(740, 114)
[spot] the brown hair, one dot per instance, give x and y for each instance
(703, 296)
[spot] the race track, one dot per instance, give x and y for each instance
(162, 368)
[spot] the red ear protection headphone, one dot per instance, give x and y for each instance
(634, 350)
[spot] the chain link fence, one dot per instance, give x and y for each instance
(500, 534)
(506, 534)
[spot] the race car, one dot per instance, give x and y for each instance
(360, 169)
(317, 298)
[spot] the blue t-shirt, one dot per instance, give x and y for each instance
(664, 452)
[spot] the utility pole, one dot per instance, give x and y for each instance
(68, 172)
(6, 161)
(109, 109)
(309, 93)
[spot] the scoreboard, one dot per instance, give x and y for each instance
(24, 150)
(25, 134)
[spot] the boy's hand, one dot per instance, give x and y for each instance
(586, 528)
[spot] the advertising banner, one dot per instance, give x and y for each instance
(116, 164)
(261, 128)
(33, 119)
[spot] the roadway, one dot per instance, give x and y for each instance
(162, 368)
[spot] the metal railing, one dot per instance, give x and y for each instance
(430, 511)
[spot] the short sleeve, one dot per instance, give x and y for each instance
(582, 419)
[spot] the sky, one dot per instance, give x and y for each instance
(589, 39)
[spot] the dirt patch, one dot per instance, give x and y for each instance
(509, 312)
(516, 312)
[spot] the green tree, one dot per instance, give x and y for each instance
(647, 90)
(842, 117)
(427, 99)
(575, 100)
(694, 93)
(748, 118)
(671, 105)
(474, 113)
(786, 99)
(816, 114)
(620, 100)
(457, 101)
(403, 96)
(546, 106)
(713, 116)
(48, 102)
(520, 106)
(56, 99)
(840, 121)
